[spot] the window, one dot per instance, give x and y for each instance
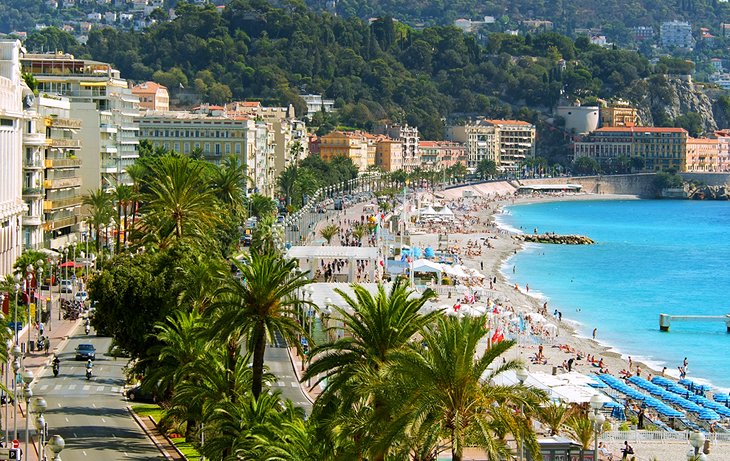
(7, 122)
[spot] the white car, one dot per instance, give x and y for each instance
(82, 296)
(66, 286)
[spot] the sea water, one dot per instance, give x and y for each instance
(651, 257)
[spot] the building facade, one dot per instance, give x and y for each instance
(51, 174)
(439, 155)
(480, 140)
(660, 148)
(389, 154)
(152, 96)
(676, 34)
(515, 143)
(703, 155)
(356, 145)
(316, 103)
(12, 207)
(619, 114)
(409, 137)
(106, 107)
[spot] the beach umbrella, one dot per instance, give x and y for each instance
(429, 253)
(723, 398)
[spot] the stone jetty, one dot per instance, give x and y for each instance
(555, 239)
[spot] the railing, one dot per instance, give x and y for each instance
(61, 203)
(59, 223)
(32, 163)
(74, 143)
(31, 191)
(62, 162)
(34, 138)
(60, 183)
(659, 436)
(31, 220)
(65, 122)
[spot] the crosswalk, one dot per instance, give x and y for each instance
(60, 388)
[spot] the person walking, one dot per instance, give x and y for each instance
(627, 450)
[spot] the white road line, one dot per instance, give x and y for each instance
(115, 389)
(93, 405)
(103, 420)
(86, 388)
(76, 436)
(99, 388)
(66, 419)
(57, 387)
(44, 387)
(84, 452)
(71, 387)
(126, 455)
(294, 384)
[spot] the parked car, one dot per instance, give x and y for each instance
(81, 296)
(138, 394)
(85, 352)
(66, 286)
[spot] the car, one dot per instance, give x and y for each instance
(66, 286)
(82, 296)
(138, 394)
(85, 352)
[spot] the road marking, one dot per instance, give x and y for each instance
(115, 389)
(44, 387)
(126, 455)
(57, 387)
(99, 388)
(59, 405)
(103, 420)
(114, 436)
(71, 387)
(294, 384)
(76, 436)
(86, 388)
(84, 452)
(65, 418)
(93, 405)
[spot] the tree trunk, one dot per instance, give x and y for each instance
(126, 234)
(258, 359)
(119, 221)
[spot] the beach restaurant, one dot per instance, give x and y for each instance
(548, 189)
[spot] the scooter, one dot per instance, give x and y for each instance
(87, 328)
(56, 368)
(88, 371)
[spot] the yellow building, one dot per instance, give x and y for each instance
(660, 148)
(389, 154)
(619, 114)
(358, 146)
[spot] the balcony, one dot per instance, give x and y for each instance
(108, 149)
(105, 128)
(59, 122)
(53, 224)
(31, 192)
(32, 164)
(68, 143)
(63, 162)
(61, 183)
(109, 167)
(49, 205)
(31, 220)
(34, 139)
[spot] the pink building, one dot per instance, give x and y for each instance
(703, 155)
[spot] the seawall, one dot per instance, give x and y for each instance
(640, 184)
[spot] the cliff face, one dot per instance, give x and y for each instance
(664, 98)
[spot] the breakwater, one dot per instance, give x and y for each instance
(554, 239)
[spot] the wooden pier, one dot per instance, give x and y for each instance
(665, 320)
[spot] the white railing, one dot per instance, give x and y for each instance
(659, 436)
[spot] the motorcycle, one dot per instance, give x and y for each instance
(56, 368)
(88, 373)
(87, 328)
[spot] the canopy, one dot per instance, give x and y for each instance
(427, 211)
(424, 265)
(68, 264)
(445, 211)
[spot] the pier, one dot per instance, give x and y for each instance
(665, 320)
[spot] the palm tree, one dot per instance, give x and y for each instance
(265, 304)
(329, 231)
(229, 183)
(286, 181)
(261, 205)
(446, 391)
(378, 325)
(179, 204)
(581, 429)
(124, 196)
(100, 209)
(359, 231)
(138, 172)
(555, 415)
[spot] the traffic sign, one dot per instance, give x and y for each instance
(16, 443)
(10, 453)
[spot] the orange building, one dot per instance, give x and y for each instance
(389, 154)
(360, 147)
(152, 96)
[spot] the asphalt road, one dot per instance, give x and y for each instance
(91, 415)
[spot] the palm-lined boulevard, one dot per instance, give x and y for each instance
(398, 384)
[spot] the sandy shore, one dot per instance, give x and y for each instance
(494, 259)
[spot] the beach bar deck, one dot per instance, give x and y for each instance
(665, 320)
(548, 188)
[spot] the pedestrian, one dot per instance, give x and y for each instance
(482, 265)
(640, 425)
(595, 330)
(47, 344)
(627, 450)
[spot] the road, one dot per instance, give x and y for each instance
(91, 415)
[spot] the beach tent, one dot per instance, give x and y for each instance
(445, 211)
(428, 211)
(424, 265)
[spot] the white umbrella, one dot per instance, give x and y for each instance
(550, 328)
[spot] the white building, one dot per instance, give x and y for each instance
(408, 136)
(505, 142)
(315, 103)
(106, 107)
(676, 34)
(11, 152)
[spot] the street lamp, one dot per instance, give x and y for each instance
(27, 393)
(56, 444)
(39, 407)
(17, 353)
(597, 419)
(29, 286)
(697, 440)
(522, 375)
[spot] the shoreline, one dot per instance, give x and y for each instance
(576, 335)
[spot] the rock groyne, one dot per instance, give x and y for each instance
(555, 239)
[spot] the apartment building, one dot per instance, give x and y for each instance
(51, 174)
(506, 142)
(13, 95)
(106, 107)
(703, 155)
(360, 147)
(676, 34)
(619, 114)
(409, 137)
(389, 154)
(316, 103)
(439, 155)
(660, 148)
(152, 96)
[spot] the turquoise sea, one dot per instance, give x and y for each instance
(652, 257)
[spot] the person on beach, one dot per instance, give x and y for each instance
(627, 450)
(595, 330)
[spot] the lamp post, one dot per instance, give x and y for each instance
(52, 264)
(29, 286)
(597, 419)
(522, 375)
(27, 393)
(56, 444)
(15, 309)
(17, 353)
(39, 407)
(697, 440)
(39, 290)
